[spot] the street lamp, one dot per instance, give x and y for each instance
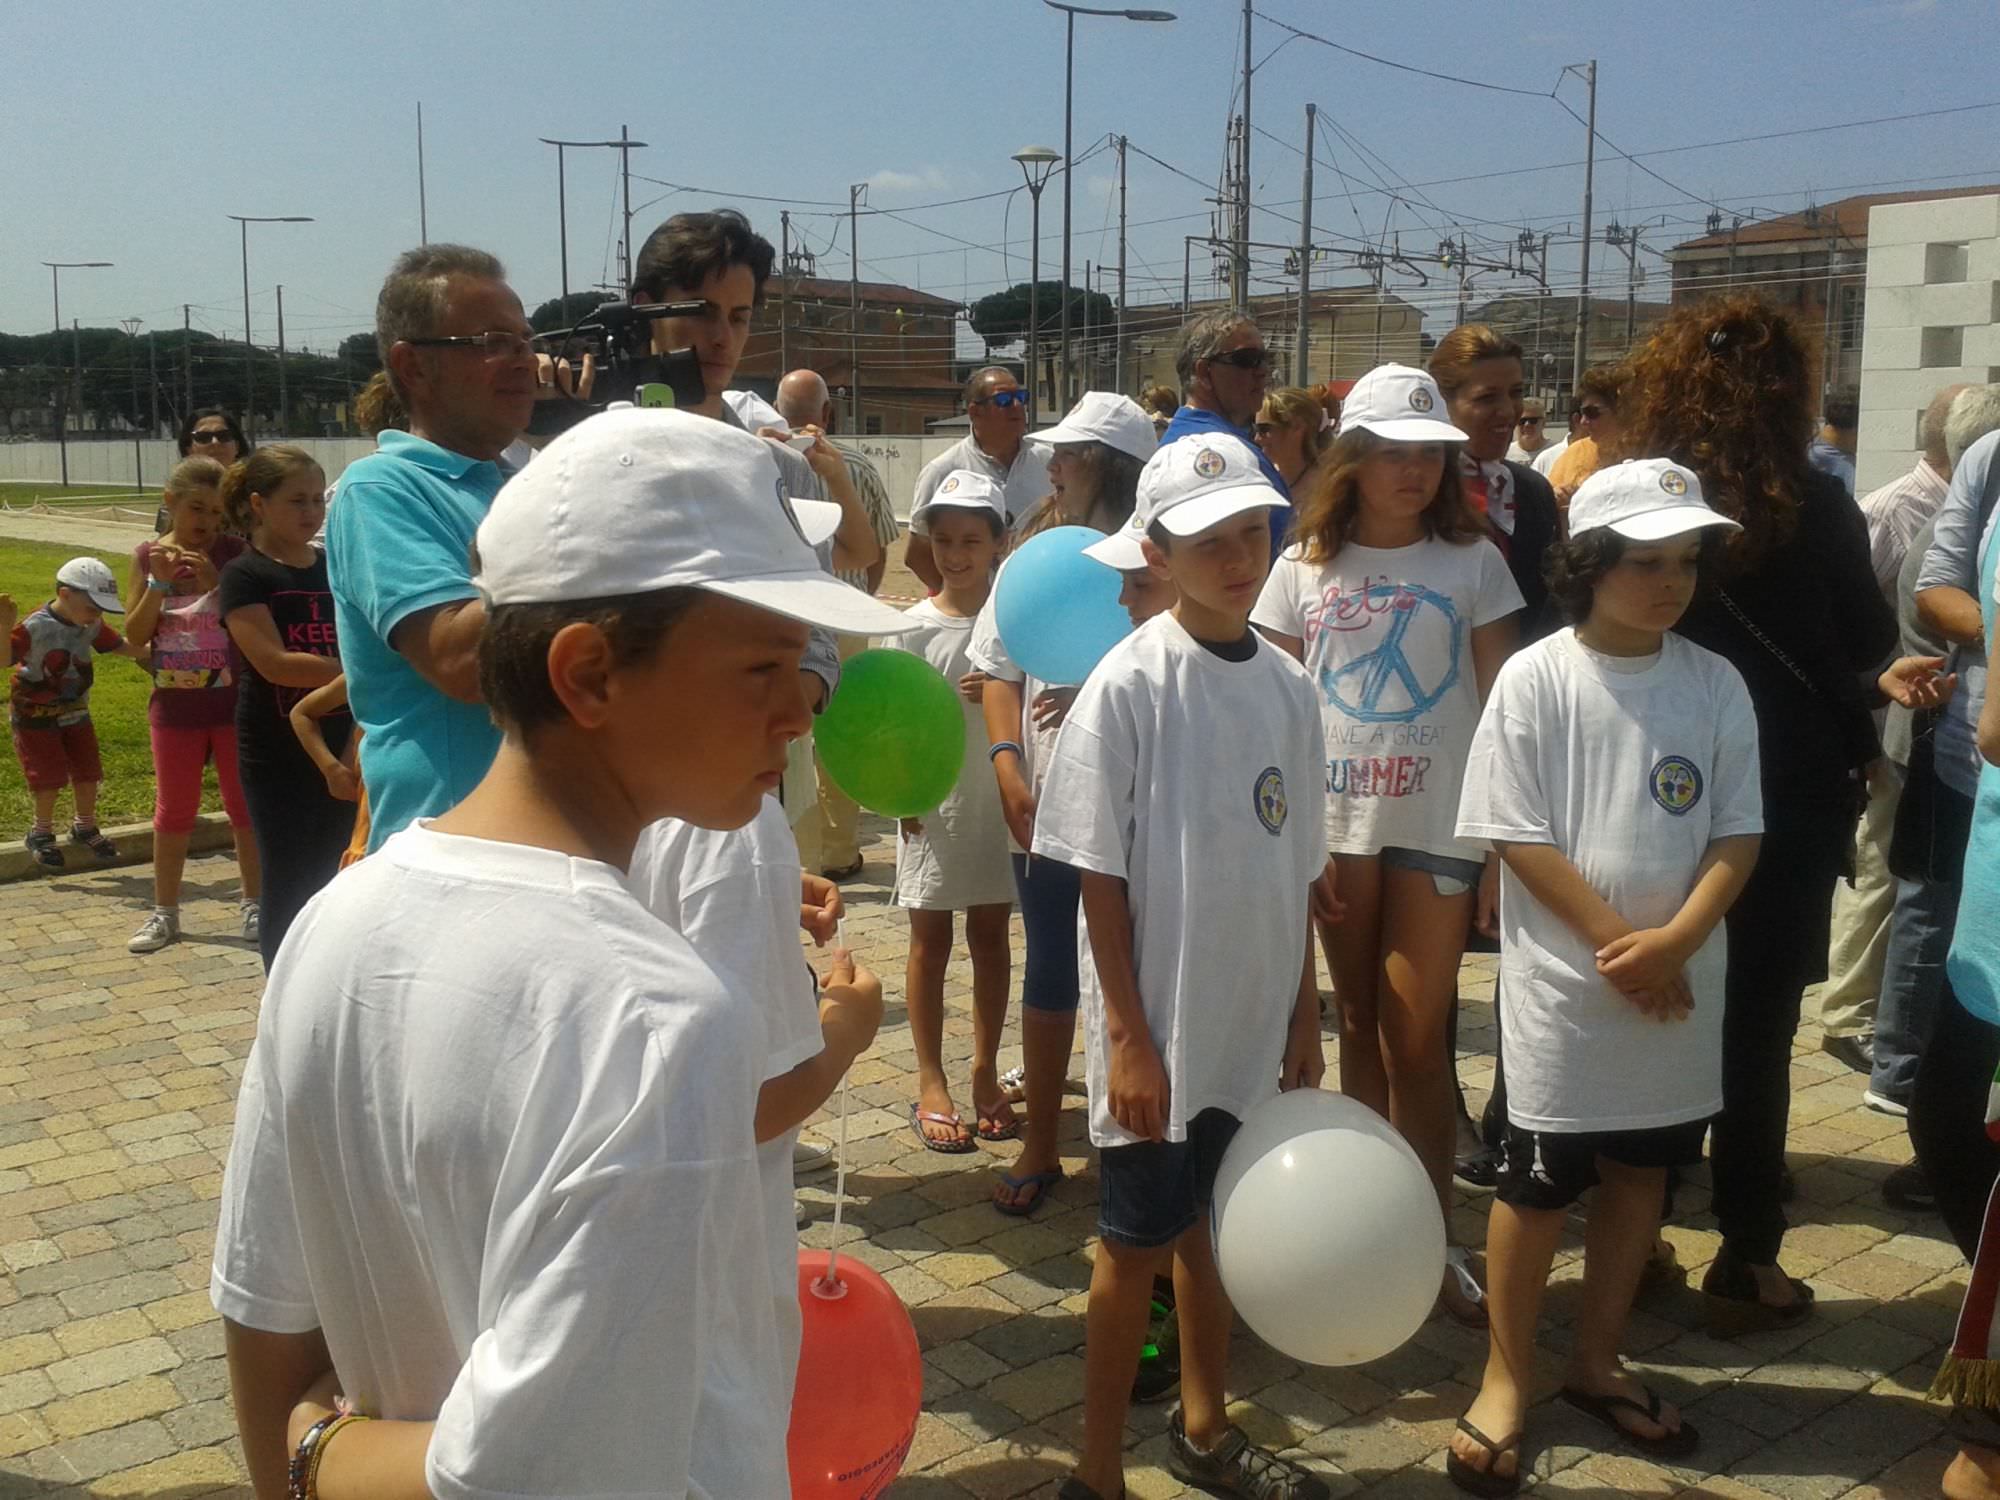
(1070, 13)
(249, 378)
(56, 268)
(1036, 164)
(562, 201)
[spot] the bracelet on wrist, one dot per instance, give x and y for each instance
(993, 754)
(302, 1481)
(158, 586)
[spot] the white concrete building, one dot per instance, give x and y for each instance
(1932, 319)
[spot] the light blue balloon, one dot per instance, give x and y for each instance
(1057, 610)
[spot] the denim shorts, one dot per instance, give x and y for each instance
(1452, 877)
(1152, 1192)
(1049, 892)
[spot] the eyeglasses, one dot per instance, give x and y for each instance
(1592, 412)
(498, 344)
(1245, 359)
(206, 435)
(1003, 399)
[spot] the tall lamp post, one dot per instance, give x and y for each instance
(1070, 13)
(1036, 164)
(56, 268)
(244, 222)
(562, 200)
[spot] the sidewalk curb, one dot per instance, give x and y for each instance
(135, 847)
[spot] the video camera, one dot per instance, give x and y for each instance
(620, 335)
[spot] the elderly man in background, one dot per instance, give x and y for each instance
(830, 836)
(1225, 369)
(998, 447)
(1531, 434)
(1858, 948)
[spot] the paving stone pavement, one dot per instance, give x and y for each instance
(118, 1075)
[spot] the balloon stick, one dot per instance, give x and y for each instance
(830, 1285)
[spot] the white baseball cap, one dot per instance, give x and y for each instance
(1121, 549)
(1201, 480)
(965, 490)
(87, 575)
(1109, 418)
(1398, 403)
(636, 500)
(1643, 500)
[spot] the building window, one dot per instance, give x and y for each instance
(1849, 328)
(1943, 348)
(872, 425)
(1945, 263)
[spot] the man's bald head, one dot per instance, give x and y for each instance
(1930, 430)
(803, 400)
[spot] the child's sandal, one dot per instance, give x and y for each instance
(1485, 1482)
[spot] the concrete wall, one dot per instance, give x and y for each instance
(1932, 320)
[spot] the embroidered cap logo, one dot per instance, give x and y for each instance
(1672, 482)
(1209, 464)
(949, 485)
(1420, 398)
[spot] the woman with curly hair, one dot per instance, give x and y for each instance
(1723, 388)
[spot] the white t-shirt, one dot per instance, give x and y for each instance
(1631, 774)
(735, 897)
(1196, 781)
(1546, 459)
(1388, 642)
(495, 1139)
(1022, 482)
(988, 653)
(960, 859)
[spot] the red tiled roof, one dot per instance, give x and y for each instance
(1844, 219)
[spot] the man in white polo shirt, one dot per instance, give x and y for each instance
(998, 447)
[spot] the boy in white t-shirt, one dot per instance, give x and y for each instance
(1615, 772)
(1200, 999)
(494, 1181)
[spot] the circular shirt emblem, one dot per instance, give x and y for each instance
(1421, 399)
(1672, 482)
(1676, 783)
(1269, 796)
(1209, 464)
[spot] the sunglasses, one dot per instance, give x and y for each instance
(1003, 399)
(1592, 412)
(1245, 359)
(498, 344)
(207, 435)
(1531, 421)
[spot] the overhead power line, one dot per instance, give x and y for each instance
(1471, 83)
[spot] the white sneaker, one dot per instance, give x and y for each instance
(158, 931)
(798, 1213)
(1882, 1104)
(253, 921)
(809, 1157)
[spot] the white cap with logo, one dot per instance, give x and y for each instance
(1109, 418)
(637, 500)
(88, 575)
(1121, 549)
(965, 490)
(1643, 500)
(1200, 481)
(1398, 403)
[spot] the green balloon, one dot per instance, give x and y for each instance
(893, 738)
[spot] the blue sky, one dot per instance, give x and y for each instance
(193, 111)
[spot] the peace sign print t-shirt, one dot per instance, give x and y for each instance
(1388, 644)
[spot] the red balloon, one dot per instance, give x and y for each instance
(860, 1385)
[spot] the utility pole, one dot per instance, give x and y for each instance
(1536, 264)
(131, 327)
(854, 195)
(187, 361)
(1118, 359)
(153, 378)
(784, 291)
(1302, 361)
(625, 145)
(1239, 277)
(1582, 349)
(284, 406)
(1619, 237)
(423, 203)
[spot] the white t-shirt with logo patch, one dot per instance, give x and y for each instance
(1196, 781)
(1388, 644)
(735, 897)
(1631, 770)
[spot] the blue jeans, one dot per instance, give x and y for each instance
(1912, 982)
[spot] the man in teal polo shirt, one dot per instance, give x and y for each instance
(455, 344)
(1225, 369)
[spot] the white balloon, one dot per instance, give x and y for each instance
(1327, 1229)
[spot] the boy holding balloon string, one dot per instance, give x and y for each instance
(954, 858)
(1191, 737)
(1615, 771)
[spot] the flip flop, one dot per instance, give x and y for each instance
(1041, 1182)
(1001, 1130)
(959, 1146)
(1484, 1482)
(1605, 1409)
(1458, 1261)
(1014, 1086)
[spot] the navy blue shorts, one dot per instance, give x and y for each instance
(1153, 1192)
(1049, 891)
(1542, 1169)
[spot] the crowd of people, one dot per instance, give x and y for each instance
(1661, 710)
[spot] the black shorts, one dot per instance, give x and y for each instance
(1546, 1170)
(1153, 1192)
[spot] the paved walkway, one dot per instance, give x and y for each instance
(116, 1085)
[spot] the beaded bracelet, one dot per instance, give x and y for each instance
(302, 1479)
(999, 745)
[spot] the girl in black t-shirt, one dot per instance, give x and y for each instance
(279, 610)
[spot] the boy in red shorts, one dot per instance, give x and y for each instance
(49, 714)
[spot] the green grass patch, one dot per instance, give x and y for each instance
(117, 704)
(22, 493)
